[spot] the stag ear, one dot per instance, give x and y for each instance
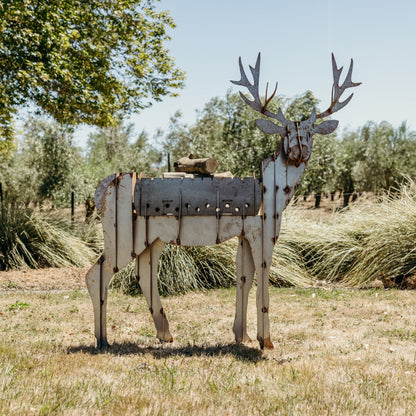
(325, 127)
(269, 127)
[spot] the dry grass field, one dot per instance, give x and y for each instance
(337, 352)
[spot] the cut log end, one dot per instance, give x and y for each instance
(205, 166)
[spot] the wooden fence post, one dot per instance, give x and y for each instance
(72, 207)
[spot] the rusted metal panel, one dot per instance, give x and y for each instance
(146, 273)
(109, 221)
(199, 196)
(124, 220)
(99, 192)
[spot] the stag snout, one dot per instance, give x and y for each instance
(297, 143)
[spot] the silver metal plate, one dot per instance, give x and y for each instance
(197, 196)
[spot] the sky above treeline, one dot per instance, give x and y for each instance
(295, 39)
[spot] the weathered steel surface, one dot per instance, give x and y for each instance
(200, 196)
(99, 192)
(124, 219)
(203, 211)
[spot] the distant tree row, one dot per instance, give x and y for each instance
(373, 158)
(46, 166)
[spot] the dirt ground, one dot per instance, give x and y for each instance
(66, 278)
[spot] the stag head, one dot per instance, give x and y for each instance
(296, 135)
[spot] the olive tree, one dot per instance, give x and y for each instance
(83, 62)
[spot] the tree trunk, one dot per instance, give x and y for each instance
(89, 208)
(346, 199)
(318, 197)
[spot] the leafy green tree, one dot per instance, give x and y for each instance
(225, 129)
(386, 154)
(176, 142)
(43, 167)
(300, 107)
(320, 171)
(117, 149)
(83, 62)
(349, 150)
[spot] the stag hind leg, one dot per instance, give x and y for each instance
(245, 275)
(117, 221)
(146, 270)
(98, 279)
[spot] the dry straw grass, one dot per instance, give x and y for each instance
(337, 352)
(31, 239)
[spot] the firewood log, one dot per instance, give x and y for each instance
(205, 166)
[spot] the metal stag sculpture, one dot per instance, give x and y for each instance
(140, 215)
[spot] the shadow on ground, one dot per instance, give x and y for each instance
(239, 351)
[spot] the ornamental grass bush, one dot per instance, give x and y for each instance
(370, 241)
(29, 239)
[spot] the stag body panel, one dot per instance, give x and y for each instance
(199, 196)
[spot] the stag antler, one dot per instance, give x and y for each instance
(253, 88)
(337, 90)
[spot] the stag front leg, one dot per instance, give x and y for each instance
(98, 279)
(245, 275)
(262, 260)
(146, 269)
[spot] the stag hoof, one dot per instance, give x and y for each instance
(265, 343)
(165, 337)
(103, 343)
(246, 338)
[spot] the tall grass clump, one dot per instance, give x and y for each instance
(183, 269)
(389, 245)
(288, 268)
(30, 239)
(371, 240)
(326, 250)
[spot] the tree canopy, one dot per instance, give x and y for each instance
(83, 61)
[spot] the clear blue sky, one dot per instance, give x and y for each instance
(296, 39)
